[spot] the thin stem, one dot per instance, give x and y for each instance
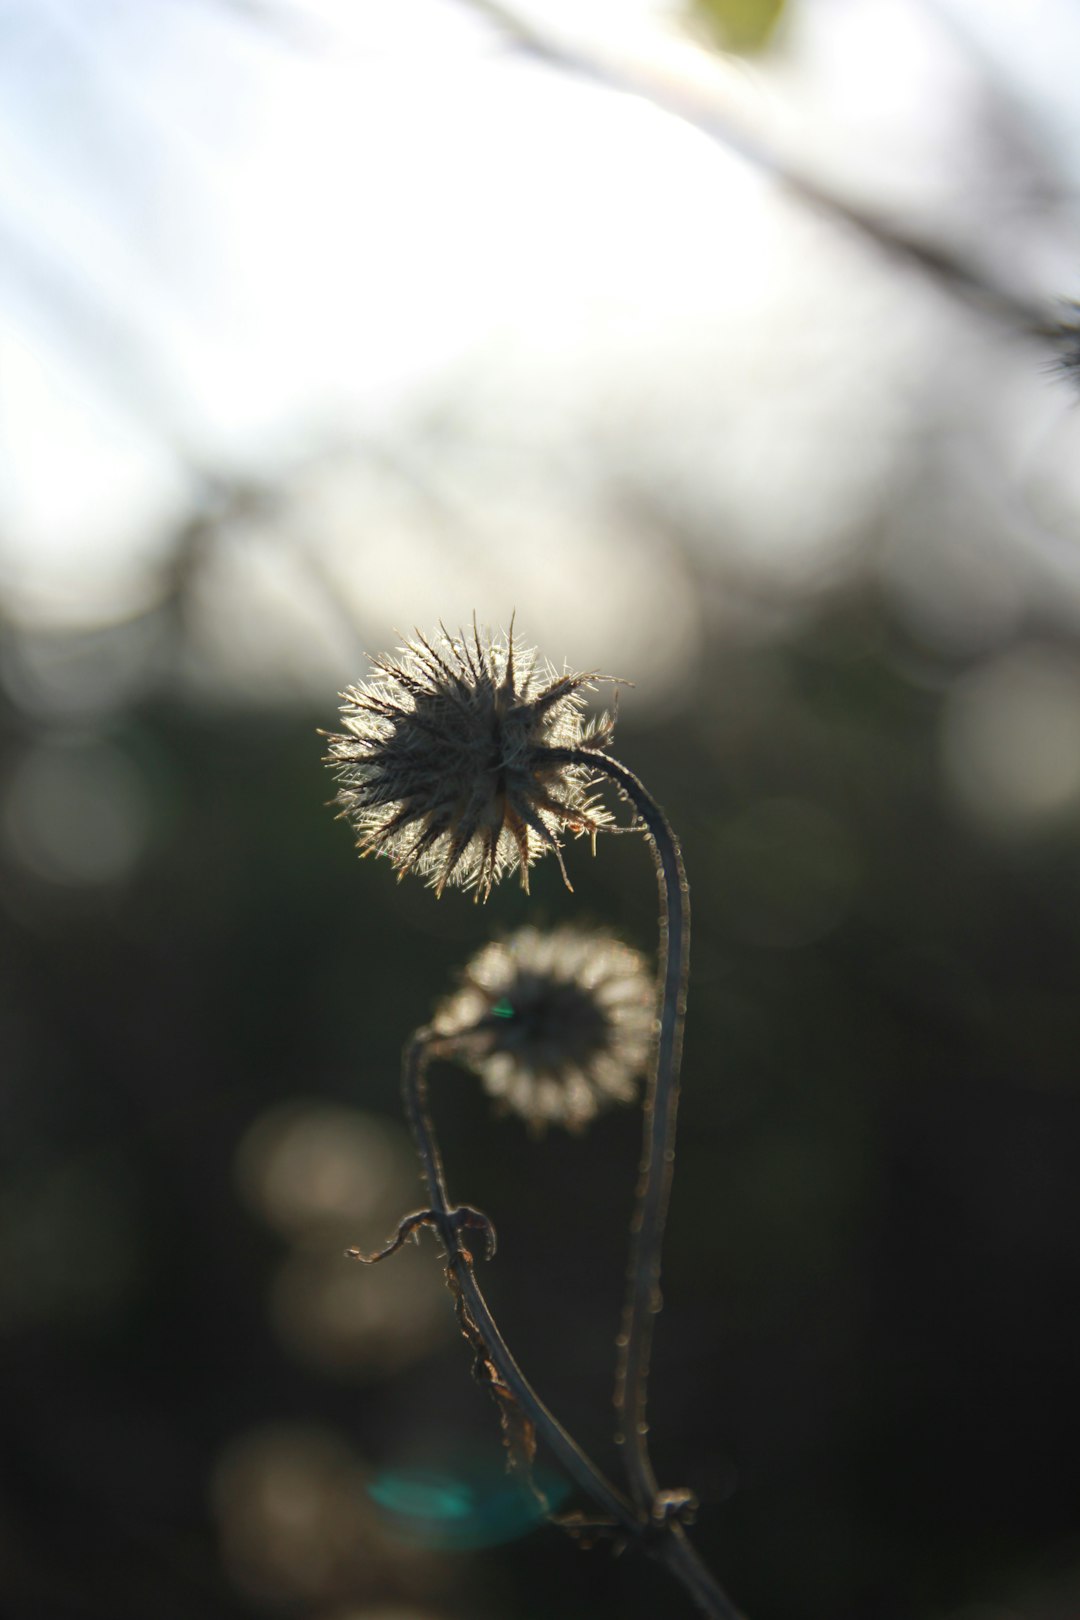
(661, 1111)
(666, 1541)
(681, 1559)
(420, 1049)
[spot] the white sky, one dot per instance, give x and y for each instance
(222, 247)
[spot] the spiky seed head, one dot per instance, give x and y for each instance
(558, 1025)
(442, 765)
(1066, 340)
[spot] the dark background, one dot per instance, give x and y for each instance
(824, 513)
(866, 1363)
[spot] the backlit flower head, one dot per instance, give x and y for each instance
(557, 1025)
(1066, 339)
(442, 763)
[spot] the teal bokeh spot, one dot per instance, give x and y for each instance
(502, 1009)
(421, 1496)
(465, 1509)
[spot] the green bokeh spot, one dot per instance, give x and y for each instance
(739, 25)
(502, 1009)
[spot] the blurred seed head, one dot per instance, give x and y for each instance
(557, 1025)
(441, 766)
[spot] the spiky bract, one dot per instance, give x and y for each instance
(442, 768)
(557, 1025)
(1066, 338)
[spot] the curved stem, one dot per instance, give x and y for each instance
(664, 1541)
(420, 1049)
(661, 1111)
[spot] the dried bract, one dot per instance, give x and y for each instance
(442, 764)
(557, 1025)
(1068, 335)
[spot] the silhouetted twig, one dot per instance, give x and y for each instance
(660, 1533)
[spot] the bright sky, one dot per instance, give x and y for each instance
(223, 246)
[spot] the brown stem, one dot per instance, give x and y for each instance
(420, 1049)
(666, 1542)
(661, 1112)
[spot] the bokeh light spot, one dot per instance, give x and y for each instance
(470, 1505)
(382, 1611)
(76, 813)
(308, 1166)
(1011, 739)
(358, 1322)
(424, 1496)
(294, 1522)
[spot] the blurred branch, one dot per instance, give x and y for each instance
(284, 17)
(704, 90)
(106, 337)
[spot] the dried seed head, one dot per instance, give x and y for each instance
(442, 764)
(557, 1025)
(1066, 339)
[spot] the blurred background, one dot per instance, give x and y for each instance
(714, 339)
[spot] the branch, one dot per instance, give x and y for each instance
(696, 86)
